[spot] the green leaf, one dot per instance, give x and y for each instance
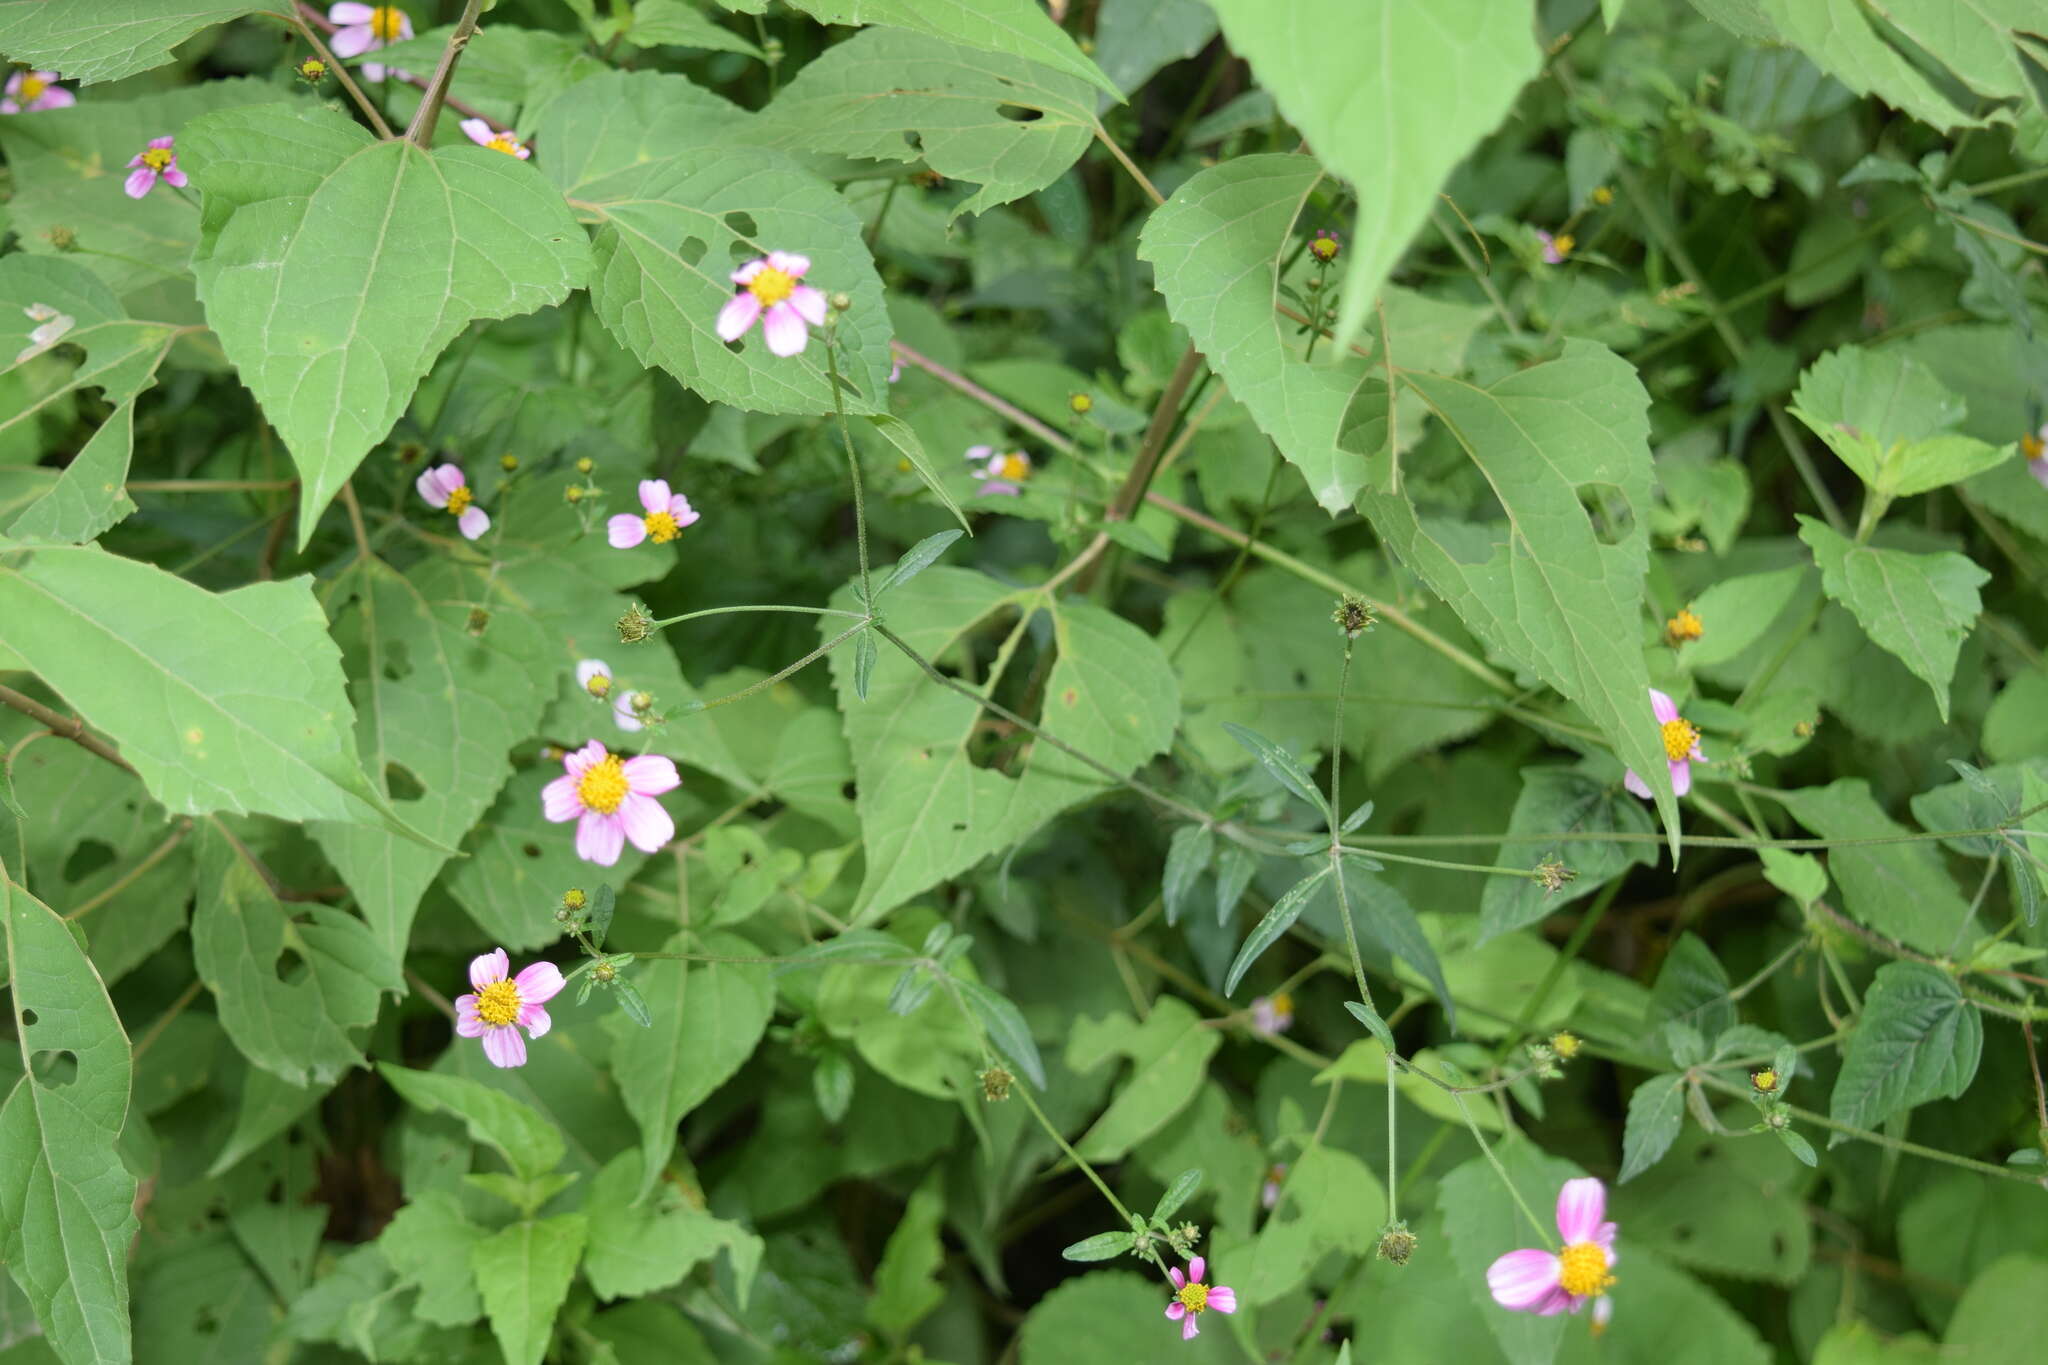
(67, 1200)
(231, 702)
(1888, 417)
(1103, 1246)
(1955, 1227)
(1187, 858)
(1178, 1193)
(1736, 612)
(428, 1244)
(1902, 890)
(121, 353)
(299, 1024)
(1693, 989)
(1016, 28)
(1330, 1203)
(1387, 919)
(92, 492)
(1919, 608)
(1284, 767)
(1272, 925)
(524, 1272)
(1170, 1054)
(1136, 38)
(906, 1290)
(1482, 1220)
(647, 1332)
(1008, 125)
(1006, 1028)
(1445, 75)
(708, 1018)
(902, 438)
(672, 23)
(1656, 1111)
(2003, 1316)
(111, 38)
(1723, 1205)
(1109, 693)
(1112, 1317)
(311, 278)
(917, 559)
(644, 1246)
(1840, 37)
(530, 1144)
(1917, 1040)
(1561, 801)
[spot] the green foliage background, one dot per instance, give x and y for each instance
(932, 1037)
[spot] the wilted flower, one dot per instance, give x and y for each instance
(31, 92)
(1681, 746)
(635, 626)
(483, 135)
(1537, 1281)
(50, 328)
(1192, 1298)
(1555, 249)
(1273, 1014)
(612, 800)
(666, 515)
(769, 285)
(444, 486)
(595, 677)
(1001, 472)
(1397, 1243)
(157, 159)
(365, 28)
(499, 1007)
(1683, 628)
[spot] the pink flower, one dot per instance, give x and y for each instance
(1002, 472)
(1681, 746)
(770, 283)
(612, 800)
(365, 28)
(155, 160)
(595, 677)
(499, 1008)
(483, 135)
(1192, 1298)
(29, 92)
(667, 514)
(1536, 1281)
(626, 714)
(1269, 1193)
(2035, 447)
(444, 486)
(1274, 1013)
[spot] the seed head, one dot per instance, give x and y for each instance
(1353, 617)
(62, 238)
(995, 1084)
(1397, 1243)
(479, 621)
(635, 626)
(1552, 875)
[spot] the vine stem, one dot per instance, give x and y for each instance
(1023, 1092)
(820, 652)
(961, 384)
(64, 727)
(421, 132)
(1393, 1184)
(860, 508)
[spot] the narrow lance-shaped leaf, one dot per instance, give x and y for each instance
(1276, 922)
(1006, 1028)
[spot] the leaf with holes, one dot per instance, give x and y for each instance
(335, 267)
(298, 1022)
(121, 356)
(67, 1200)
(1918, 607)
(1015, 28)
(929, 807)
(92, 492)
(1169, 1055)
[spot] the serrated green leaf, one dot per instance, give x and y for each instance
(524, 1271)
(672, 23)
(1178, 1193)
(92, 492)
(67, 1200)
(1919, 608)
(644, 1246)
(531, 1145)
(1284, 767)
(1693, 989)
(1016, 28)
(316, 295)
(1841, 38)
(1736, 612)
(1170, 1054)
(428, 1245)
(1902, 890)
(1656, 1111)
(1136, 38)
(1006, 1028)
(111, 38)
(1330, 1203)
(1916, 1040)
(1723, 1205)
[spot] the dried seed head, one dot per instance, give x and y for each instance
(995, 1084)
(1397, 1244)
(635, 626)
(1353, 617)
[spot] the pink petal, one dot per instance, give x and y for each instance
(652, 774)
(1557, 1302)
(1681, 777)
(625, 531)
(430, 488)
(349, 12)
(577, 761)
(1522, 1280)
(809, 304)
(622, 714)
(1197, 1268)
(1176, 1310)
(56, 97)
(373, 72)
(1581, 1206)
(996, 488)
(1188, 1329)
(1662, 707)
(559, 801)
(489, 968)
(534, 1020)
(161, 143)
(790, 263)
(1223, 1299)
(13, 86)
(473, 522)
(1180, 1281)
(645, 822)
(785, 330)
(599, 838)
(8, 106)
(469, 1026)
(1637, 785)
(586, 669)
(981, 454)
(654, 494)
(1605, 1237)
(139, 181)
(2039, 469)
(505, 1047)
(679, 508)
(354, 41)
(745, 274)
(737, 316)
(404, 26)
(174, 176)
(449, 476)
(478, 131)
(539, 983)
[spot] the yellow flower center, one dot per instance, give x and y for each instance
(32, 87)
(387, 23)
(1323, 248)
(498, 1003)
(1194, 1296)
(1679, 737)
(1684, 627)
(772, 286)
(1014, 466)
(661, 527)
(603, 785)
(506, 143)
(1564, 242)
(1582, 1270)
(1603, 196)
(1764, 1079)
(459, 501)
(599, 686)
(2031, 445)
(1282, 1003)
(1565, 1045)
(158, 158)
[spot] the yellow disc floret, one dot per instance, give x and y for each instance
(1194, 1296)
(498, 1003)
(771, 286)
(603, 785)
(1282, 1003)
(387, 23)
(158, 158)
(599, 686)
(1582, 1270)
(31, 88)
(1684, 628)
(1014, 466)
(1563, 243)
(2031, 445)
(1680, 735)
(506, 143)
(661, 527)
(459, 501)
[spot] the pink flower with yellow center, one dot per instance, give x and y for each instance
(1192, 1298)
(156, 160)
(1547, 1283)
(365, 28)
(31, 92)
(1273, 1013)
(444, 486)
(768, 289)
(499, 1008)
(612, 800)
(1002, 472)
(2034, 445)
(1681, 746)
(1555, 249)
(666, 514)
(483, 135)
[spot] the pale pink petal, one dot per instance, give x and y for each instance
(1605, 1237)
(625, 531)
(745, 274)
(1557, 1301)
(505, 1047)
(1681, 777)
(737, 316)
(679, 508)
(373, 72)
(1603, 1311)
(8, 106)
(473, 522)
(478, 131)
(592, 752)
(646, 823)
(1188, 1329)
(489, 968)
(997, 488)
(1176, 1310)
(469, 1026)
(586, 669)
(349, 12)
(559, 801)
(1581, 1207)
(654, 494)
(404, 26)
(809, 304)
(139, 181)
(56, 97)
(534, 1020)
(652, 774)
(785, 330)
(1180, 1281)
(354, 42)
(13, 86)
(539, 983)
(790, 263)
(622, 714)
(599, 838)
(1662, 707)
(1637, 785)
(430, 488)
(1198, 1267)
(174, 176)
(1223, 1299)
(981, 454)
(449, 476)
(1523, 1279)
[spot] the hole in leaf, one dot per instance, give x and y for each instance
(28, 1018)
(847, 790)
(89, 857)
(530, 850)
(401, 784)
(54, 1070)
(204, 1323)
(742, 224)
(735, 346)
(1681, 1232)
(397, 661)
(287, 965)
(1608, 510)
(913, 139)
(1017, 113)
(691, 250)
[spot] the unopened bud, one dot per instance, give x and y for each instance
(641, 702)
(840, 302)
(574, 899)
(508, 463)
(312, 70)
(585, 465)
(1081, 403)
(995, 1084)
(573, 493)
(604, 973)
(479, 621)
(1565, 1045)
(1397, 1243)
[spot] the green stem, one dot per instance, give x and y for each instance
(820, 652)
(860, 506)
(1393, 1133)
(421, 133)
(1542, 1229)
(727, 611)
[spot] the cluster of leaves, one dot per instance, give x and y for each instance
(1227, 813)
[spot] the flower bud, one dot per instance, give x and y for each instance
(1565, 1045)
(585, 465)
(573, 493)
(1353, 616)
(62, 238)
(995, 1084)
(312, 70)
(840, 301)
(574, 899)
(1081, 403)
(641, 702)
(1765, 1079)
(1552, 875)
(479, 621)
(508, 463)
(1325, 246)
(1397, 1243)
(604, 973)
